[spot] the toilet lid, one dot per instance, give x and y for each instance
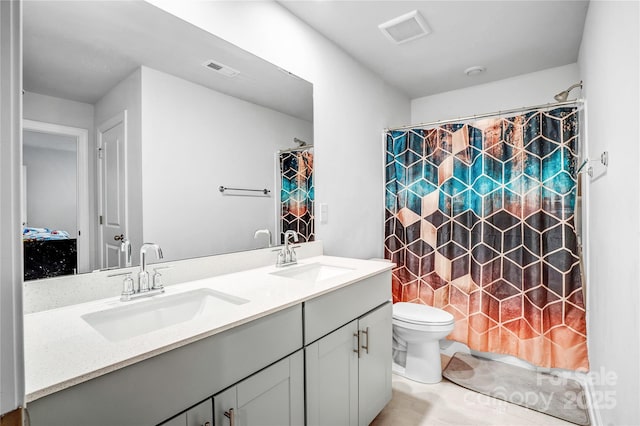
(421, 314)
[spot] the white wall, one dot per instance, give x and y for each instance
(50, 109)
(194, 140)
(11, 330)
(609, 66)
(536, 88)
(126, 95)
(351, 107)
(51, 188)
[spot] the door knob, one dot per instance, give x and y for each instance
(118, 237)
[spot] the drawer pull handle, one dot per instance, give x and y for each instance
(368, 345)
(231, 416)
(357, 336)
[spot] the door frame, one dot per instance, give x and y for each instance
(120, 117)
(82, 183)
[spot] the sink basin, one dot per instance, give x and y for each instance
(313, 272)
(135, 319)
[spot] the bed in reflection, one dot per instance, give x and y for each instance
(48, 253)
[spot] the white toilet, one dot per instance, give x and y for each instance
(417, 330)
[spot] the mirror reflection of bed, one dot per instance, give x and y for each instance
(50, 223)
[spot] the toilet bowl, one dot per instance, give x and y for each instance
(417, 330)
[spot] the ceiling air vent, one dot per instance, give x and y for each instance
(221, 68)
(407, 27)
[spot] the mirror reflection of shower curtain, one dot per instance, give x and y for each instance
(297, 194)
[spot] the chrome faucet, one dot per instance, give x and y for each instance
(143, 275)
(129, 289)
(287, 256)
(263, 232)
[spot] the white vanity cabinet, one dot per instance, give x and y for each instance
(154, 390)
(272, 397)
(348, 371)
(323, 360)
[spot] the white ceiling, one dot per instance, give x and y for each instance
(509, 38)
(79, 50)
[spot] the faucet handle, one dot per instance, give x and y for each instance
(292, 254)
(127, 287)
(281, 256)
(157, 280)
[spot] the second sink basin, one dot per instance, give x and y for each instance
(135, 319)
(313, 272)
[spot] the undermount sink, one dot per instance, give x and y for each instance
(135, 319)
(313, 272)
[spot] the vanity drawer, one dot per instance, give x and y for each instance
(331, 311)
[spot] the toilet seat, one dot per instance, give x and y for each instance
(420, 315)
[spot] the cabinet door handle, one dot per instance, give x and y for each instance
(366, 348)
(231, 416)
(357, 336)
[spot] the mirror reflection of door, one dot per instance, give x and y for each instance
(51, 203)
(54, 200)
(113, 187)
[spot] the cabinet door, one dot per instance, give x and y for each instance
(180, 420)
(201, 414)
(332, 378)
(271, 397)
(374, 372)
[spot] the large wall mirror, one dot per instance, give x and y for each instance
(134, 120)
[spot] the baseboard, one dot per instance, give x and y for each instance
(590, 392)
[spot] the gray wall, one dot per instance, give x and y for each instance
(51, 188)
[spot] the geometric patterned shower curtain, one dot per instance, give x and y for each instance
(297, 194)
(480, 222)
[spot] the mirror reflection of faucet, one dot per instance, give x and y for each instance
(287, 256)
(264, 232)
(125, 247)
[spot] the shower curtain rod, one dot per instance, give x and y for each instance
(298, 148)
(491, 114)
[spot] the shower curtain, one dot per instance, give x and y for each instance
(296, 194)
(480, 222)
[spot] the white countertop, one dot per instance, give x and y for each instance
(62, 349)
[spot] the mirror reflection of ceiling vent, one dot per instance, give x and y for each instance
(407, 27)
(221, 68)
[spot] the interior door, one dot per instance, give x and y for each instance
(113, 190)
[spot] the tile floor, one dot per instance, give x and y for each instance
(417, 404)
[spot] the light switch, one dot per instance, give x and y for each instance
(323, 213)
